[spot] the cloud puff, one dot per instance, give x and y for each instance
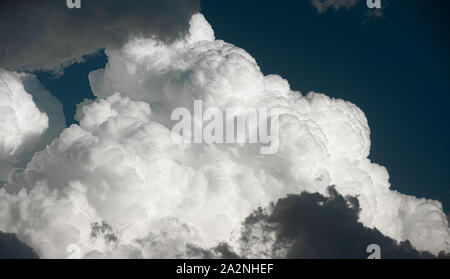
(323, 5)
(118, 186)
(29, 119)
(48, 35)
(21, 122)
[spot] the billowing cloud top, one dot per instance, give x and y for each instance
(118, 186)
(47, 35)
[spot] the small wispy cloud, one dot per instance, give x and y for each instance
(376, 14)
(373, 15)
(324, 5)
(370, 15)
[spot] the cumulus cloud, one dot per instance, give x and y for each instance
(29, 119)
(324, 5)
(48, 35)
(117, 185)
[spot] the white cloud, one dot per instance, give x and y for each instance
(21, 120)
(121, 166)
(29, 119)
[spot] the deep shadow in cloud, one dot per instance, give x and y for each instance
(312, 226)
(12, 248)
(221, 251)
(47, 35)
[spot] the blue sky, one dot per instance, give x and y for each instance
(395, 69)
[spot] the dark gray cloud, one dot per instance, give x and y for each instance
(314, 226)
(221, 251)
(47, 35)
(309, 226)
(12, 248)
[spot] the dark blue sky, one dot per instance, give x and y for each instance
(395, 69)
